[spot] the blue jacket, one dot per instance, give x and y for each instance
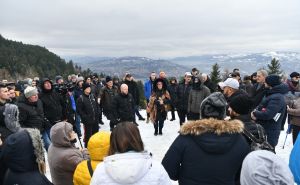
(148, 89)
(295, 161)
(271, 111)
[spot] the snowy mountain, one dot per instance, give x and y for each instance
(140, 67)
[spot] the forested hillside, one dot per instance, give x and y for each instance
(18, 60)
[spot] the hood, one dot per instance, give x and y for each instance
(98, 145)
(23, 151)
(213, 106)
(59, 134)
(128, 168)
(42, 85)
(281, 88)
(212, 135)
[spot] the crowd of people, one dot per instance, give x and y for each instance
(214, 145)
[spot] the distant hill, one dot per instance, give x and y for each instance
(18, 61)
(140, 67)
(247, 63)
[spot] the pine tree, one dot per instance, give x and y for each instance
(215, 74)
(274, 67)
(140, 86)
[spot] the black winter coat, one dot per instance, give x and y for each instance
(199, 156)
(123, 107)
(88, 109)
(107, 96)
(133, 90)
(31, 115)
(182, 94)
(172, 88)
(53, 104)
(5, 132)
(257, 94)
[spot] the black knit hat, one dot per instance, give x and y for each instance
(294, 74)
(108, 78)
(85, 85)
(273, 80)
(241, 104)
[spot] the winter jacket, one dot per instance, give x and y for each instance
(52, 104)
(258, 93)
(209, 84)
(294, 162)
(88, 109)
(130, 168)
(21, 153)
(271, 111)
(5, 132)
(133, 90)
(207, 151)
(31, 114)
(182, 94)
(247, 87)
(155, 108)
(63, 157)
(293, 87)
(98, 147)
(172, 88)
(294, 111)
(107, 96)
(123, 107)
(148, 87)
(196, 97)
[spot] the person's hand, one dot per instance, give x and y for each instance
(253, 116)
(288, 108)
(85, 153)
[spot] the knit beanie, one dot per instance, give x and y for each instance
(241, 104)
(85, 85)
(294, 74)
(273, 80)
(30, 91)
(264, 167)
(213, 106)
(108, 79)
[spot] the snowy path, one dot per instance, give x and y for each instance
(158, 145)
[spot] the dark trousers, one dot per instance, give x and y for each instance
(136, 112)
(295, 132)
(193, 116)
(89, 130)
(181, 114)
(173, 112)
(158, 126)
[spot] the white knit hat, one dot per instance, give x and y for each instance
(30, 91)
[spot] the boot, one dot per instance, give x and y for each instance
(141, 118)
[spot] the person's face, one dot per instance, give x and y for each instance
(60, 81)
(204, 77)
(47, 85)
(188, 78)
(87, 91)
(33, 98)
(33, 84)
(162, 75)
(124, 89)
(12, 93)
(73, 80)
(72, 135)
(260, 78)
(80, 84)
(88, 80)
(296, 79)
(109, 84)
(227, 91)
(159, 85)
(4, 94)
(153, 76)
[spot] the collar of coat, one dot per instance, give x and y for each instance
(211, 125)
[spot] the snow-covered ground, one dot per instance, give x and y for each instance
(158, 145)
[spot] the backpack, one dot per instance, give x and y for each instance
(260, 143)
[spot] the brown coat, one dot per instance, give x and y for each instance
(63, 157)
(152, 107)
(294, 111)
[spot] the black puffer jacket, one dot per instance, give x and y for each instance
(53, 104)
(207, 152)
(31, 115)
(182, 95)
(133, 90)
(107, 96)
(123, 107)
(88, 109)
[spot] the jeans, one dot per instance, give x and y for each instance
(46, 138)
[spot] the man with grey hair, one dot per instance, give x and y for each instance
(258, 91)
(123, 107)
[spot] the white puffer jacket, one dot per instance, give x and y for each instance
(133, 168)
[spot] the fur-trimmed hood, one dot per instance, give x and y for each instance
(212, 135)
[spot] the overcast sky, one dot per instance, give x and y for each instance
(153, 28)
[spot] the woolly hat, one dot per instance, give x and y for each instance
(213, 106)
(264, 167)
(294, 74)
(30, 91)
(241, 104)
(273, 80)
(85, 85)
(58, 77)
(108, 79)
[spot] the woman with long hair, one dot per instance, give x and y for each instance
(128, 162)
